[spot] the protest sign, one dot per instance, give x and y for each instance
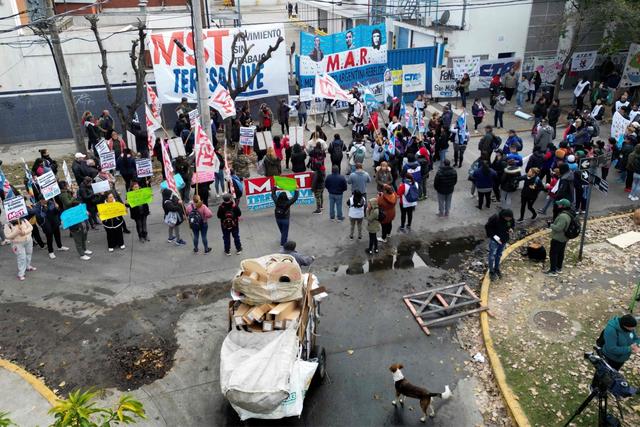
(306, 94)
(111, 210)
(67, 175)
(207, 163)
(265, 140)
(102, 147)
(15, 208)
(177, 180)
(176, 147)
(246, 135)
(296, 135)
(73, 216)
(100, 187)
(258, 190)
(462, 66)
(618, 125)
(144, 168)
(108, 160)
(396, 77)
(139, 197)
(443, 82)
(194, 117)
(584, 61)
(548, 68)
(284, 183)
(631, 72)
(414, 78)
(48, 185)
(174, 70)
(357, 55)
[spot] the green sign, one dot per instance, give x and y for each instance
(284, 183)
(139, 197)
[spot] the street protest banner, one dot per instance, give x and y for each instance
(358, 55)
(175, 70)
(584, 61)
(15, 208)
(108, 160)
(443, 83)
(246, 135)
(74, 215)
(100, 187)
(207, 163)
(153, 123)
(548, 68)
(258, 190)
(222, 102)
(490, 67)
(48, 185)
(470, 66)
(67, 175)
(631, 73)
(102, 147)
(414, 77)
(139, 197)
(144, 168)
(111, 210)
(618, 125)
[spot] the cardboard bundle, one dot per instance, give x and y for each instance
(266, 317)
(271, 278)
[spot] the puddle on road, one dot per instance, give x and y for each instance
(449, 253)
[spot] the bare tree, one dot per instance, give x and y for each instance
(136, 57)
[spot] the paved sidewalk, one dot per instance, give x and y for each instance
(25, 405)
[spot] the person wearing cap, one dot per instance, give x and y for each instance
(289, 248)
(620, 340)
(229, 214)
(558, 237)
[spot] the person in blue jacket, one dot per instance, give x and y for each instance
(620, 340)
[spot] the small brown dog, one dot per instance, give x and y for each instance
(405, 389)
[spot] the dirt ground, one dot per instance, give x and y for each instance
(543, 325)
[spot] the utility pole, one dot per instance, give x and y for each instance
(203, 88)
(63, 77)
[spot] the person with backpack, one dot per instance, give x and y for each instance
(374, 216)
(357, 154)
(488, 143)
(229, 214)
(336, 185)
(336, 149)
(409, 193)
(173, 216)
(498, 229)
(359, 180)
(356, 213)
(619, 340)
(358, 131)
(529, 195)
(444, 184)
(198, 215)
(282, 211)
(484, 178)
(509, 183)
(562, 228)
(387, 199)
(317, 157)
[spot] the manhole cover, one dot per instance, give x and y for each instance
(552, 321)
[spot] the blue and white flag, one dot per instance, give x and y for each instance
(5, 186)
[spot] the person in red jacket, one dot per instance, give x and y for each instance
(387, 200)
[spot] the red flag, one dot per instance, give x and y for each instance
(168, 169)
(207, 162)
(154, 102)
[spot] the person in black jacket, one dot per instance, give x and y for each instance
(444, 183)
(498, 165)
(298, 159)
(565, 188)
(336, 185)
(536, 160)
(171, 203)
(89, 198)
(229, 214)
(283, 205)
(553, 115)
(498, 230)
(532, 187)
(139, 215)
(127, 167)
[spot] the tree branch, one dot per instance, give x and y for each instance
(137, 64)
(243, 86)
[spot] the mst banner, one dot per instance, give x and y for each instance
(358, 55)
(175, 71)
(258, 190)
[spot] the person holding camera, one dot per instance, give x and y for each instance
(619, 340)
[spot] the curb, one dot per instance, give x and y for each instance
(511, 400)
(37, 384)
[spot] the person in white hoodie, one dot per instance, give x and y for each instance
(18, 232)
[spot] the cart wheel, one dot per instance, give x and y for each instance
(321, 355)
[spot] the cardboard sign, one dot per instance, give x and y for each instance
(265, 140)
(176, 147)
(100, 187)
(306, 94)
(15, 208)
(73, 216)
(65, 170)
(131, 140)
(258, 190)
(48, 185)
(140, 197)
(111, 210)
(102, 147)
(296, 135)
(443, 82)
(179, 182)
(414, 77)
(108, 160)
(246, 135)
(144, 168)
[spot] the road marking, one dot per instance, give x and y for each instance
(37, 384)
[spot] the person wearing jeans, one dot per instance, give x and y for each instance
(336, 185)
(173, 206)
(282, 211)
(18, 232)
(198, 221)
(407, 203)
(558, 237)
(498, 229)
(634, 168)
(229, 216)
(444, 183)
(387, 202)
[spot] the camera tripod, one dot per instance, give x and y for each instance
(603, 401)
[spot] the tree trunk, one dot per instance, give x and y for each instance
(575, 37)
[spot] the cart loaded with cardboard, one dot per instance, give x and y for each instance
(270, 357)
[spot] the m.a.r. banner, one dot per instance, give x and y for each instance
(358, 55)
(258, 190)
(175, 70)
